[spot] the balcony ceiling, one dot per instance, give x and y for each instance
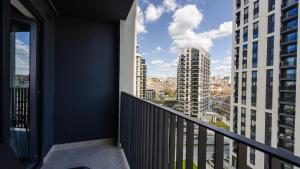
(102, 10)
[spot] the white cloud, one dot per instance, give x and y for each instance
(153, 13)
(183, 27)
(170, 5)
(161, 68)
(140, 25)
(22, 58)
(158, 48)
(155, 62)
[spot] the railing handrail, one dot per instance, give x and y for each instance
(271, 151)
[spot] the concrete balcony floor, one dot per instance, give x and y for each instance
(99, 154)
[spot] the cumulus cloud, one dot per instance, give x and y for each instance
(170, 5)
(153, 12)
(22, 58)
(140, 25)
(182, 29)
(163, 68)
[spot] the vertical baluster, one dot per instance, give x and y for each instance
(155, 138)
(147, 136)
(26, 112)
(172, 141)
(219, 151)
(21, 108)
(138, 138)
(135, 134)
(151, 140)
(242, 156)
(189, 145)
(143, 135)
(179, 150)
(166, 140)
(274, 163)
(202, 143)
(160, 138)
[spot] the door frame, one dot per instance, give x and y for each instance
(35, 110)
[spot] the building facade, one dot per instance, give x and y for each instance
(150, 94)
(141, 78)
(193, 82)
(264, 88)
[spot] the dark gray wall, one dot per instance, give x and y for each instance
(47, 69)
(86, 66)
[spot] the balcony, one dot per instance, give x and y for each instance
(79, 104)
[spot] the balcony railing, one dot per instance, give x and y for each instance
(153, 137)
(20, 107)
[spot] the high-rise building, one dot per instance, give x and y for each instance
(193, 82)
(141, 79)
(264, 88)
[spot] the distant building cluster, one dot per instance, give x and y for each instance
(193, 82)
(164, 88)
(220, 86)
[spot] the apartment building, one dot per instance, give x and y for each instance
(265, 50)
(193, 81)
(150, 94)
(141, 79)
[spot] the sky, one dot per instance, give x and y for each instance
(22, 53)
(164, 26)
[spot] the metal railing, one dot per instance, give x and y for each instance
(152, 137)
(19, 107)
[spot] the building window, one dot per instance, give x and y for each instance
(291, 24)
(256, 10)
(245, 51)
(236, 58)
(246, 15)
(243, 121)
(268, 135)
(244, 87)
(291, 37)
(236, 87)
(255, 30)
(286, 138)
(270, 51)
(290, 13)
(235, 119)
(252, 156)
(271, 5)
(233, 162)
(245, 33)
(254, 88)
(238, 19)
(271, 23)
(269, 89)
(254, 54)
(237, 36)
(246, 2)
(238, 4)
(253, 125)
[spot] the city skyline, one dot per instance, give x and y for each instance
(164, 25)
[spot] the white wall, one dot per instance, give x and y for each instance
(127, 70)
(128, 52)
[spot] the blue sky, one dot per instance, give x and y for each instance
(22, 53)
(167, 25)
